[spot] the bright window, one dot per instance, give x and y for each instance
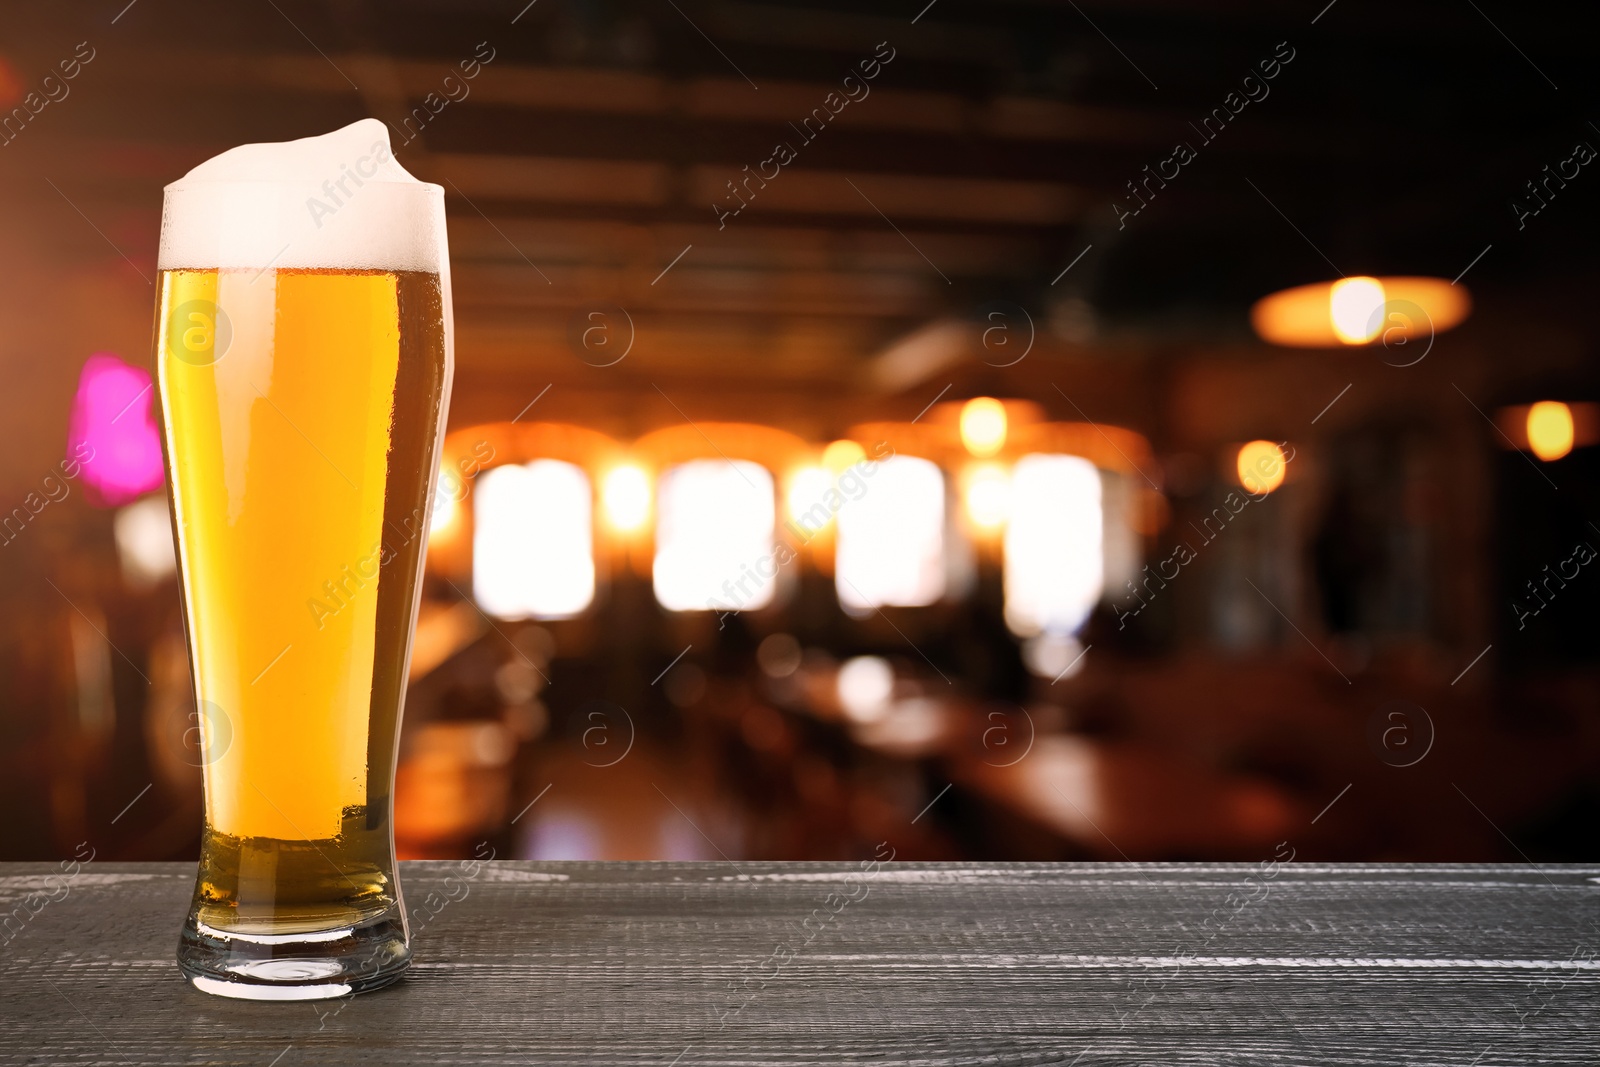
(532, 544)
(714, 537)
(891, 538)
(1054, 561)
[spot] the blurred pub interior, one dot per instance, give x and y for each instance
(999, 472)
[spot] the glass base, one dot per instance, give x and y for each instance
(311, 965)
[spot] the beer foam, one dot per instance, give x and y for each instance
(338, 201)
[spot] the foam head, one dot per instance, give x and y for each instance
(337, 201)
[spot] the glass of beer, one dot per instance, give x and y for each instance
(304, 354)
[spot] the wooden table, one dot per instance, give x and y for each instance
(692, 964)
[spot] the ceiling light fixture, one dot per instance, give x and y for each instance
(1360, 310)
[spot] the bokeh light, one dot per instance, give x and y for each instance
(625, 496)
(1353, 309)
(806, 489)
(988, 496)
(1261, 467)
(532, 550)
(866, 684)
(112, 424)
(445, 506)
(841, 454)
(1055, 545)
(983, 426)
(1550, 431)
(891, 541)
(714, 534)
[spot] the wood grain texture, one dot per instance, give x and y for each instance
(700, 964)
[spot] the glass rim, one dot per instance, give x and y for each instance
(185, 185)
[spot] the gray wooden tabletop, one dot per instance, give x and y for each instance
(712, 963)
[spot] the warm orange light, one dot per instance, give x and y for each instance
(625, 496)
(1361, 310)
(807, 487)
(988, 496)
(446, 507)
(841, 454)
(1261, 466)
(983, 426)
(1550, 432)
(1355, 309)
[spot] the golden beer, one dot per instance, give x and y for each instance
(302, 408)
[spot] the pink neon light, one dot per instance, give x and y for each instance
(112, 415)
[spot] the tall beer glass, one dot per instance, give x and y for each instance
(303, 345)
